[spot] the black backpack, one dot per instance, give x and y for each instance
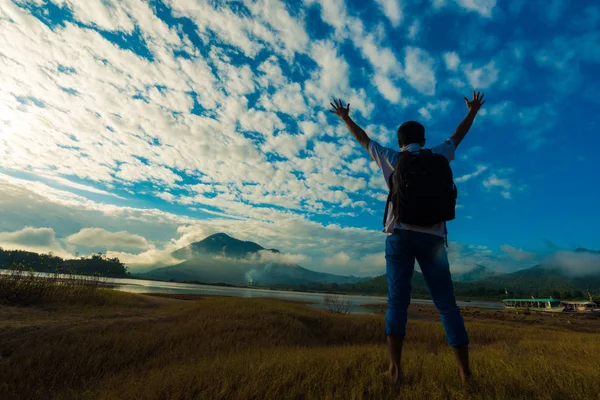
(422, 189)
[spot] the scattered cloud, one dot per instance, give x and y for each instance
(419, 70)
(439, 107)
(41, 240)
(478, 171)
(266, 256)
(471, 152)
(518, 254)
(503, 184)
(101, 238)
(367, 265)
(112, 113)
(482, 77)
(414, 29)
(464, 258)
(146, 260)
(452, 60)
(388, 90)
(392, 10)
(575, 263)
(482, 7)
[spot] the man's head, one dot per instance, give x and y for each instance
(411, 132)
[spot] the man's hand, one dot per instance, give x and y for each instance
(475, 104)
(339, 109)
(344, 113)
(462, 128)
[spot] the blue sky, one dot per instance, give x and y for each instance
(135, 127)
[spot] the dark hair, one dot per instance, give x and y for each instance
(411, 132)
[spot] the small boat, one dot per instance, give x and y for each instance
(581, 307)
(533, 304)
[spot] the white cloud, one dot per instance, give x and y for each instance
(88, 115)
(518, 254)
(482, 7)
(110, 16)
(302, 239)
(101, 238)
(419, 70)
(482, 77)
(369, 265)
(452, 60)
(79, 186)
(536, 121)
(497, 112)
(471, 151)
(339, 258)
(40, 240)
(441, 107)
(392, 10)
(333, 12)
(146, 260)
(414, 29)
(464, 258)
(266, 256)
(438, 4)
(575, 263)
(29, 236)
(387, 88)
(478, 171)
(494, 182)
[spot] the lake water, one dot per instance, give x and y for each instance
(316, 299)
(144, 286)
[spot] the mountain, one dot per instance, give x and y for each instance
(219, 244)
(221, 258)
(238, 272)
(478, 273)
(536, 281)
(584, 250)
(419, 287)
(379, 285)
(539, 281)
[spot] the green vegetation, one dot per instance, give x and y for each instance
(536, 281)
(141, 347)
(96, 264)
(24, 288)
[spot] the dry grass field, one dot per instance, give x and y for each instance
(193, 347)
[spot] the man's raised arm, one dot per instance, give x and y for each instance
(463, 128)
(355, 130)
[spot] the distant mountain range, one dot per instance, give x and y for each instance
(480, 282)
(221, 258)
(476, 274)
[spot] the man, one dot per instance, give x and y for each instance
(426, 244)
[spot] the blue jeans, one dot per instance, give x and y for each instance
(401, 250)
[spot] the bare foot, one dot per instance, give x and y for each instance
(469, 382)
(393, 375)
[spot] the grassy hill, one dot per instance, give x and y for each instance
(140, 347)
